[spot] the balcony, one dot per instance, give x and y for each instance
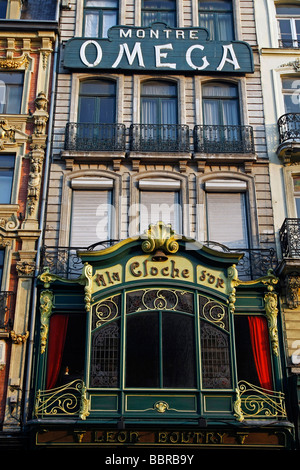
(87, 137)
(159, 138)
(289, 136)
(290, 238)
(6, 310)
(223, 139)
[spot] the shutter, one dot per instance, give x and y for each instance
(91, 217)
(160, 206)
(227, 219)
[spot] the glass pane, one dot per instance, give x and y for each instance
(179, 367)
(97, 87)
(105, 359)
(102, 3)
(142, 350)
(230, 113)
(3, 6)
(211, 115)
(216, 5)
(297, 201)
(109, 19)
(91, 29)
(292, 102)
(160, 4)
(13, 99)
(288, 10)
(216, 372)
(87, 110)
(1, 265)
(157, 88)
(206, 20)
(217, 89)
(149, 111)
(6, 180)
(107, 111)
(168, 111)
(225, 27)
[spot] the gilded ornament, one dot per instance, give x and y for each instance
(46, 305)
(160, 237)
(161, 406)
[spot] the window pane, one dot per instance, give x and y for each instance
(105, 360)
(102, 3)
(109, 19)
(3, 6)
(11, 90)
(1, 265)
(288, 10)
(179, 368)
(160, 4)
(216, 373)
(159, 89)
(97, 87)
(6, 177)
(91, 29)
(107, 110)
(217, 5)
(87, 110)
(142, 350)
(14, 99)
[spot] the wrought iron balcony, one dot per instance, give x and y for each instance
(289, 127)
(223, 139)
(159, 138)
(64, 261)
(6, 309)
(255, 263)
(290, 238)
(89, 137)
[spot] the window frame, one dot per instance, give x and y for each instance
(97, 97)
(215, 13)
(144, 11)
(12, 170)
(9, 87)
(99, 11)
(4, 6)
(292, 18)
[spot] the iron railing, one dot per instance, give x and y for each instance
(223, 139)
(159, 138)
(289, 43)
(64, 261)
(255, 263)
(289, 127)
(95, 137)
(6, 309)
(289, 235)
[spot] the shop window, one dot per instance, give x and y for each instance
(11, 90)
(91, 217)
(296, 181)
(163, 11)
(253, 350)
(217, 18)
(226, 213)
(99, 16)
(160, 201)
(7, 163)
(3, 8)
(97, 102)
(66, 349)
(289, 25)
(291, 94)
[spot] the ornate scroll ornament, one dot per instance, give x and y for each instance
(160, 236)
(46, 305)
(17, 338)
(161, 406)
(40, 115)
(86, 279)
(271, 312)
(25, 268)
(232, 275)
(292, 290)
(7, 133)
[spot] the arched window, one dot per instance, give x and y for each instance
(163, 11)
(217, 17)
(220, 104)
(99, 16)
(97, 102)
(159, 102)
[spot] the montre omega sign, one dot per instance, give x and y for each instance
(158, 48)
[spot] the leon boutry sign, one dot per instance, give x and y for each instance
(158, 48)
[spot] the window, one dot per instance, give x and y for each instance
(220, 104)
(226, 213)
(91, 211)
(2, 253)
(163, 11)
(3, 7)
(97, 102)
(99, 16)
(7, 163)
(296, 181)
(291, 94)
(289, 25)
(217, 17)
(160, 201)
(11, 90)
(159, 102)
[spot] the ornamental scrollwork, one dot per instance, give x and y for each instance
(46, 305)
(160, 236)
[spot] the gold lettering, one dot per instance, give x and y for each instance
(132, 268)
(185, 273)
(134, 436)
(116, 276)
(110, 436)
(122, 436)
(174, 436)
(100, 280)
(185, 437)
(153, 271)
(165, 271)
(174, 271)
(162, 437)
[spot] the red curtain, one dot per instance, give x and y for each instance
(56, 342)
(261, 350)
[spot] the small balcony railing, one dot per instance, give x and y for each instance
(159, 138)
(289, 43)
(290, 238)
(6, 310)
(289, 127)
(89, 137)
(223, 139)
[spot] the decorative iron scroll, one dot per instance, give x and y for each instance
(159, 299)
(106, 310)
(256, 402)
(213, 311)
(68, 400)
(105, 359)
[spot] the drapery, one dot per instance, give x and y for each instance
(56, 342)
(261, 350)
